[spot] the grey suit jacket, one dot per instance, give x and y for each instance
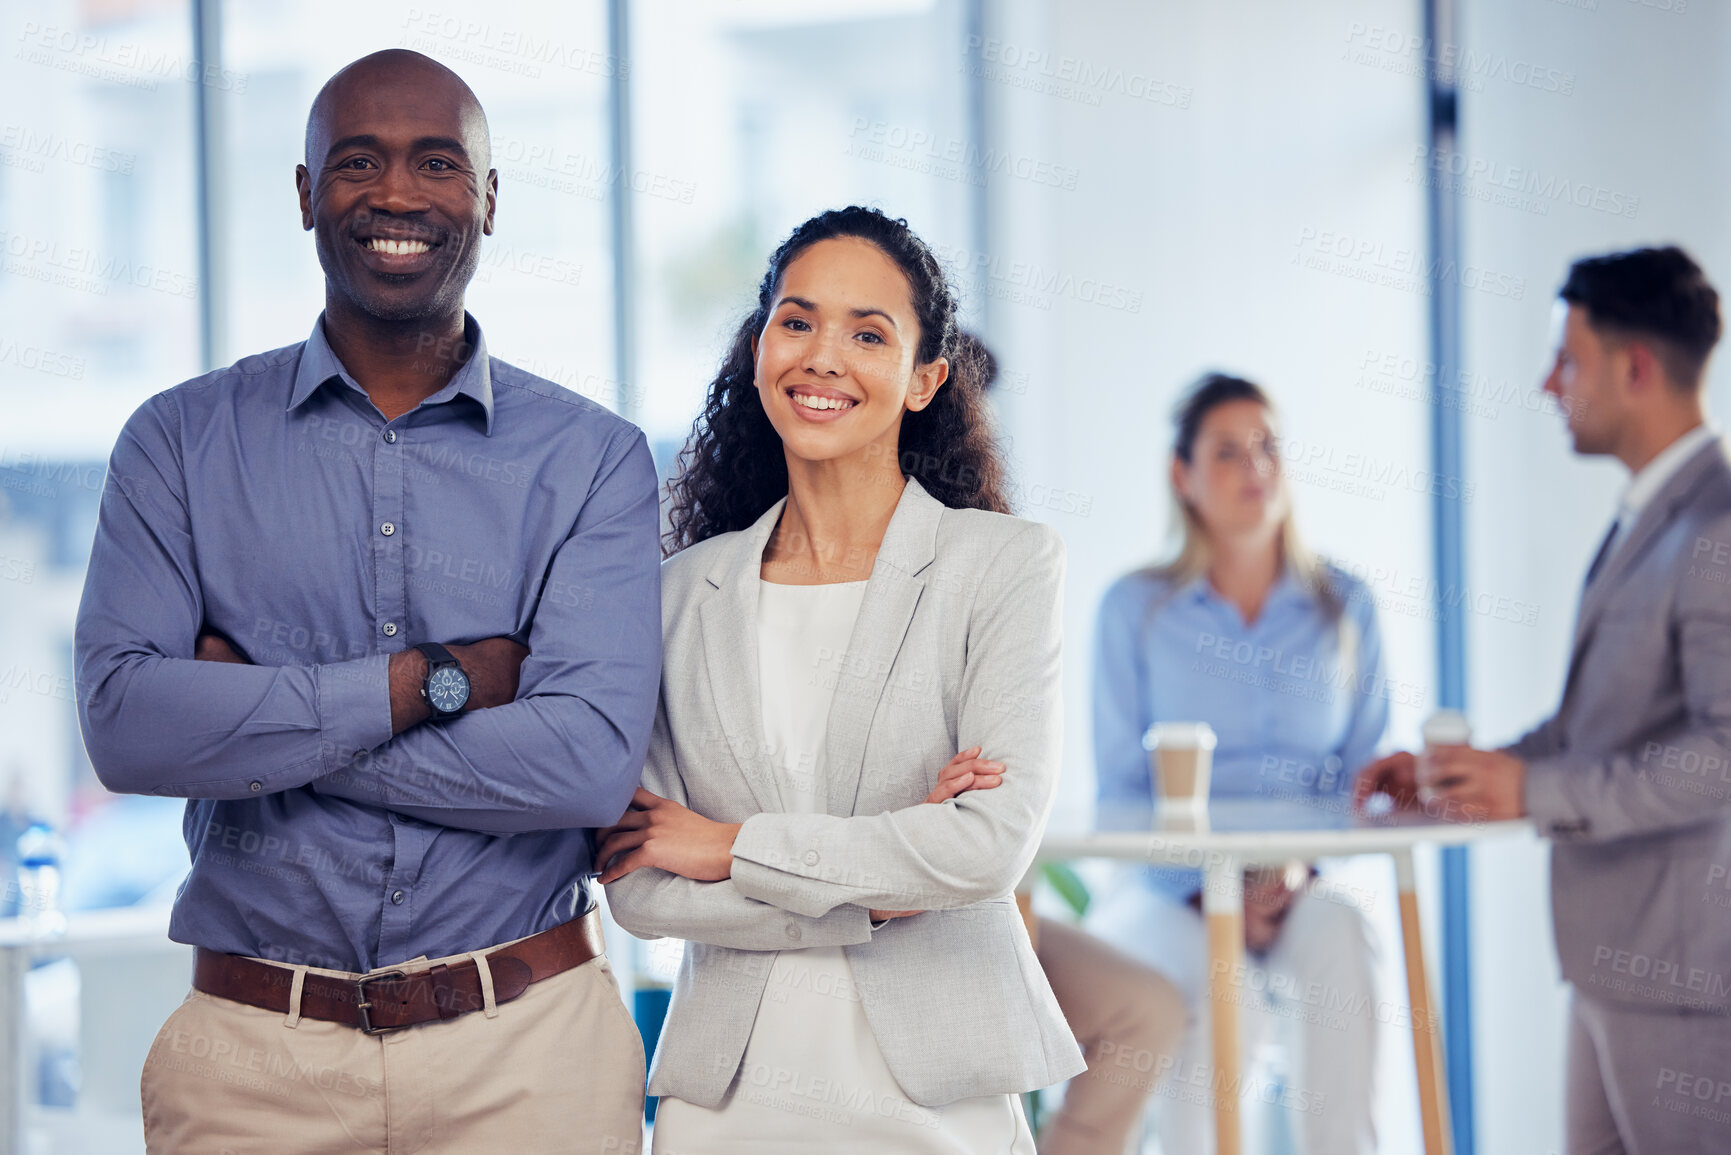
(956, 645)
(1631, 778)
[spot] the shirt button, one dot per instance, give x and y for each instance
(388, 528)
(811, 858)
(397, 897)
(256, 787)
(390, 437)
(793, 932)
(390, 629)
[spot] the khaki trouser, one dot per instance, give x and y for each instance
(1128, 1019)
(557, 1069)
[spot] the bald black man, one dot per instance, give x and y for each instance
(386, 612)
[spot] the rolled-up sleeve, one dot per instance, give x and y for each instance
(569, 751)
(154, 720)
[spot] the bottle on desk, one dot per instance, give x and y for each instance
(40, 851)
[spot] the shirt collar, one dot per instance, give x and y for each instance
(474, 380)
(1646, 484)
(1285, 588)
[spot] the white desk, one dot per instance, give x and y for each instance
(1240, 833)
(132, 975)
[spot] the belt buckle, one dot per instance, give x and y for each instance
(362, 1003)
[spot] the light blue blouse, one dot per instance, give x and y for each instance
(1297, 699)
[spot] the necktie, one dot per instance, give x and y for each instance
(1605, 548)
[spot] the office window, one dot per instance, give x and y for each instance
(99, 304)
(751, 117)
(543, 293)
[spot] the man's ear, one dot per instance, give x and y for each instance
(304, 191)
(1646, 371)
(928, 379)
(492, 201)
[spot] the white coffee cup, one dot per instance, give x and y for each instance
(1443, 728)
(1181, 760)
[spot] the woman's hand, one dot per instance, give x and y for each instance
(966, 771)
(659, 832)
(1268, 896)
(1395, 775)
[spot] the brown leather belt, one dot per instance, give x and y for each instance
(393, 999)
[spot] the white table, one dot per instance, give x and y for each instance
(132, 975)
(1238, 833)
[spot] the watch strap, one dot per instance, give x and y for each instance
(437, 656)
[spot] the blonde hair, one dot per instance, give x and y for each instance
(1193, 551)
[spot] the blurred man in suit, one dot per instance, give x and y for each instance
(1631, 777)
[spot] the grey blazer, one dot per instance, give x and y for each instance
(956, 645)
(1631, 778)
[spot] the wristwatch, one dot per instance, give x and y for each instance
(446, 687)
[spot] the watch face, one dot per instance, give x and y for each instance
(447, 690)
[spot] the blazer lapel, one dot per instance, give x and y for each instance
(729, 620)
(1658, 514)
(892, 595)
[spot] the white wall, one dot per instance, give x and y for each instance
(1266, 146)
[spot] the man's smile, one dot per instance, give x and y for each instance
(398, 251)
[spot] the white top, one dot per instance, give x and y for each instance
(1651, 478)
(813, 1077)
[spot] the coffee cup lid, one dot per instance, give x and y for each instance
(1447, 728)
(1179, 734)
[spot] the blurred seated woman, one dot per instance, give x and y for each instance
(1279, 652)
